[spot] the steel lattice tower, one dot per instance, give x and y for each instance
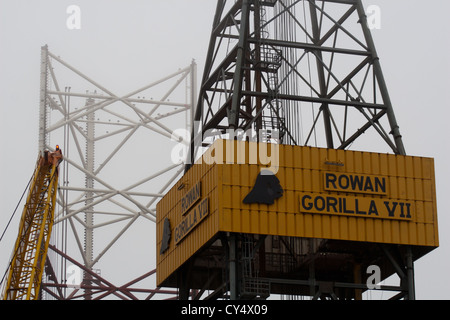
(112, 176)
(296, 72)
(307, 69)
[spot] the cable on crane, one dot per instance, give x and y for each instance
(17, 206)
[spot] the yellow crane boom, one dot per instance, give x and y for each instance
(30, 250)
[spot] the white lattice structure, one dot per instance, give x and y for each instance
(117, 152)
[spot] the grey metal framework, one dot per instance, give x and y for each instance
(117, 165)
(248, 266)
(307, 69)
(301, 72)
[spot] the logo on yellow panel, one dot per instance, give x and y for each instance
(267, 188)
(167, 233)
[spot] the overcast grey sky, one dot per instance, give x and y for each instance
(127, 44)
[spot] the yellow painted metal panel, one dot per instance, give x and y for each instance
(227, 178)
(170, 207)
(410, 183)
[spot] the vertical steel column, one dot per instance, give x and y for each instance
(321, 75)
(410, 274)
(89, 212)
(233, 266)
(233, 115)
(258, 58)
(43, 99)
(193, 94)
(197, 113)
(395, 131)
(357, 279)
(183, 286)
(312, 278)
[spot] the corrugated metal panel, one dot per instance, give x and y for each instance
(170, 207)
(300, 170)
(410, 181)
